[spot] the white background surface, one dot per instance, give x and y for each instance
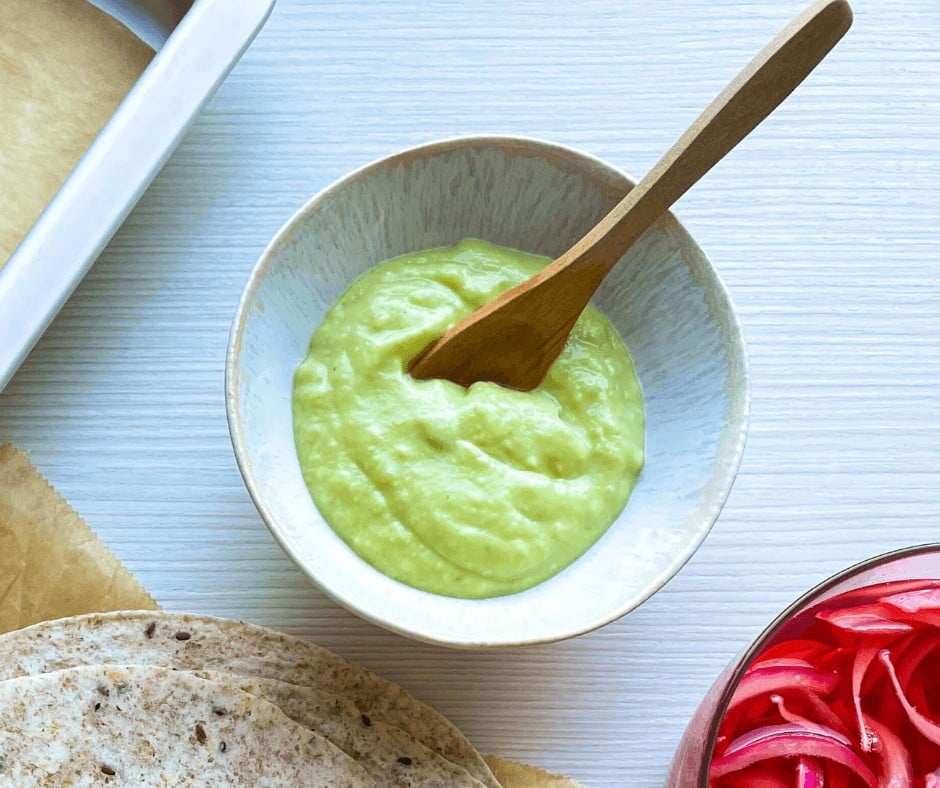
(824, 225)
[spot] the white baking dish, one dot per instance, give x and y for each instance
(197, 43)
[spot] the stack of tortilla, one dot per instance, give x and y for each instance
(149, 698)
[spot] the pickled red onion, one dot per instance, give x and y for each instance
(780, 675)
(929, 729)
(896, 768)
(864, 661)
(809, 774)
(788, 740)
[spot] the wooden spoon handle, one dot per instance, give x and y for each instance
(514, 339)
(750, 97)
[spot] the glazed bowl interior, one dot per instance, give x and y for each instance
(664, 297)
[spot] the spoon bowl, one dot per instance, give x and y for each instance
(664, 297)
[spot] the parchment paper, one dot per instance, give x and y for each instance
(64, 67)
(51, 563)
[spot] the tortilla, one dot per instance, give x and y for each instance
(51, 562)
(388, 754)
(520, 775)
(151, 726)
(64, 68)
(192, 642)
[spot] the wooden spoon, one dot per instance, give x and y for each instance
(514, 339)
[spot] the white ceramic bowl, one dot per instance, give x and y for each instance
(664, 297)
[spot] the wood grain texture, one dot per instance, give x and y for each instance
(823, 225)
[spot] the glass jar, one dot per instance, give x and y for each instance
(692, 762)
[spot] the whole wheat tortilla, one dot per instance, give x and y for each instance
(137, 726)
(64, 67)
(51, 563)
(388, 754)
(192, 642)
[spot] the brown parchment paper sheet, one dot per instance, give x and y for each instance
(51, 563)
(520, 775)
(64, 67)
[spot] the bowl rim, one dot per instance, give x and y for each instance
(537, 147)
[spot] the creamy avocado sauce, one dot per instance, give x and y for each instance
(468, 492)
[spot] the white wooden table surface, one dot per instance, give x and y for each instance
(825, 225)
